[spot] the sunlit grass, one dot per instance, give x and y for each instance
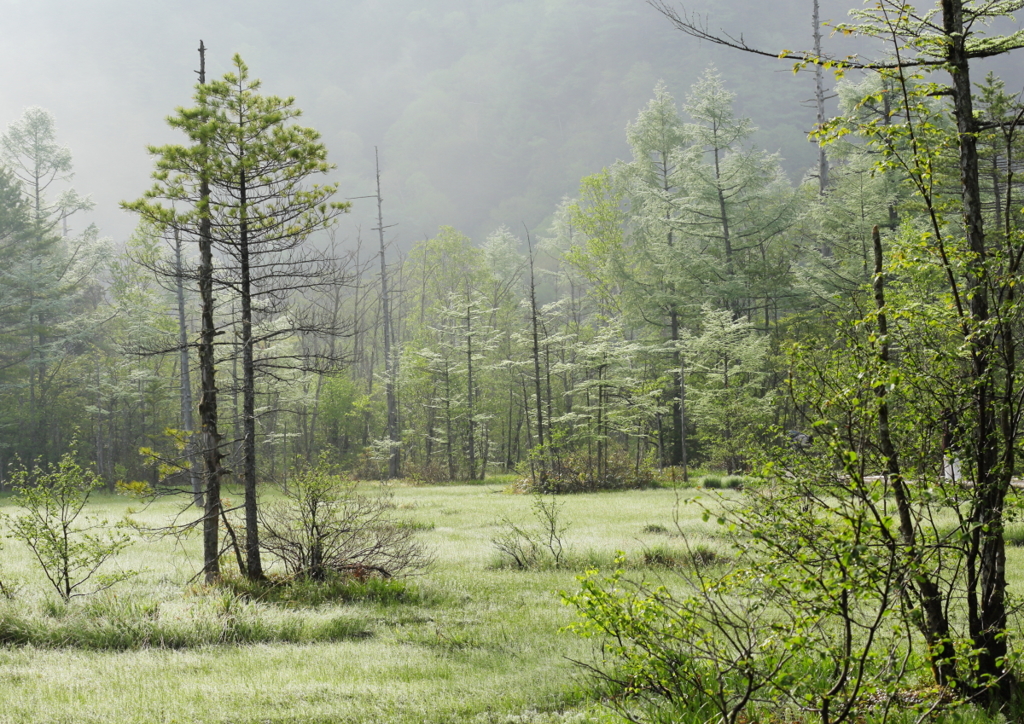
(470, 643)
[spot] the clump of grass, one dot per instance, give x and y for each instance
(301, 591)
(711, 482)
(697, 556)
(654, 528)
(734, 482)
(661, 557)
(703, 556)
(415, 525)
(1014, 535)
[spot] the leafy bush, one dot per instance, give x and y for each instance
(69, 546)
(323, 527)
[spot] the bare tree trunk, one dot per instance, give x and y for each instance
(469, 391)
(682, 414)
(536, 370)
(819, 102)
(253, 561)
(208, 401)
(390, 362)
(187, 422)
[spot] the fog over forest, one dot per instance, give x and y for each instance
(485, 112)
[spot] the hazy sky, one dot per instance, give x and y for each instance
(486, 112)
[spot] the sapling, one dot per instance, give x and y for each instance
(69, 545)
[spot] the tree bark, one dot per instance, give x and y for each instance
(208, 401)
(992, 480)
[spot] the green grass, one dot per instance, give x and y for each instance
(463, 643)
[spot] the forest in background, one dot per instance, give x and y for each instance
(645, 328)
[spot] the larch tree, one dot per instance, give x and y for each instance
(735, 206)
(179, 201)
(659, 281)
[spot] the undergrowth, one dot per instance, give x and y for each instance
(299, 591)
(218, 617)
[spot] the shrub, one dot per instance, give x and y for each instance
(68, 545)
(579, 472)
(426, 473)
(324, 526)
(538, 546)
(702, 556)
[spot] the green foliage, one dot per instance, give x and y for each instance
(48, 299)
(69, 545)
(734, 482)
(729, 400)
(659, 656)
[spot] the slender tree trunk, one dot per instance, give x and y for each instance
(469, 391)
(723, 210)
(390, 361)
(449, 433)
(253, 560)
(185, 378)
(208, 401)
(536, 371)
(819, 102)
(682, 415)
(935, 625)
(992, 480)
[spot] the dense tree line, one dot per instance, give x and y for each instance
(664, 295)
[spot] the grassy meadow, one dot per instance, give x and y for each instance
(468, 641)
